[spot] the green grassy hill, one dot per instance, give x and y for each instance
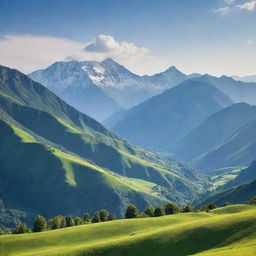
(225, 231)
(50, 150)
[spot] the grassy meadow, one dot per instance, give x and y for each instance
(224, 231)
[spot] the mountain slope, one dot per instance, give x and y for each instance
(42, 136)
(224, 231)
(101, 88)
(213, 131)
(238, 91)
(238, 149)
(237, 194)
(163, 119)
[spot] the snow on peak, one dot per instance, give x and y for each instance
(99, 69)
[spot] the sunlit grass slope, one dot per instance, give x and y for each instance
(226, 231)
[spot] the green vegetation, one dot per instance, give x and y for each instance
(224, 231)
(238, 190)
(222, 176)
(41, 136)
(131, 212)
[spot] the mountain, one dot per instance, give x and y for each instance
(246, 175)
(237, 149)
(101, 88)
(238, 91)
(237, 194)
(160, 121)
(239, 188)
(56, 160)
(164, 80)
(70, 81)
(211, 134)
(247, 79)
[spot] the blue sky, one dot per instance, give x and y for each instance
(147, 36)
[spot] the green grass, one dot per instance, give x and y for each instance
(226, 231)
(223, 176)
(25, 136)
(125, 184)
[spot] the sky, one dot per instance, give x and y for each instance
(217, 37)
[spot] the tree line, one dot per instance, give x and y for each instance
(41, 224)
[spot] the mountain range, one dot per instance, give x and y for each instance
(51, 150)
(226, 138)
(101, 88)
(207, 121)
(247, 79)
(56, 160)
(160, 121)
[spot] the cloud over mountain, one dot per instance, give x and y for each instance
(29, 52)
(107, 44)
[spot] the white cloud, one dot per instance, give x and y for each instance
(229, 1)
(222, 11)
(28, 53)
(248, 6)
(108, 45)
(251, 42)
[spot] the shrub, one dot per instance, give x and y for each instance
(39, 224)
(131, 212)
(69, 221)
(50, 224)
(103, 215)
(188, 208)
(78, 221)
(96, 217)
(150, 211)
(159, 211)
(211, 206)
(111, 216)
(21, 229)
(63, 223)
(56, 223)
(86, 217)
(171, 208)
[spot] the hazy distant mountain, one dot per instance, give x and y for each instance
(164, 80)
(213, 131)
(247, 79)
(193, 75)
(49, 150)
(237, 149)
(238, 91)
(101, 88)
(160, 121)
